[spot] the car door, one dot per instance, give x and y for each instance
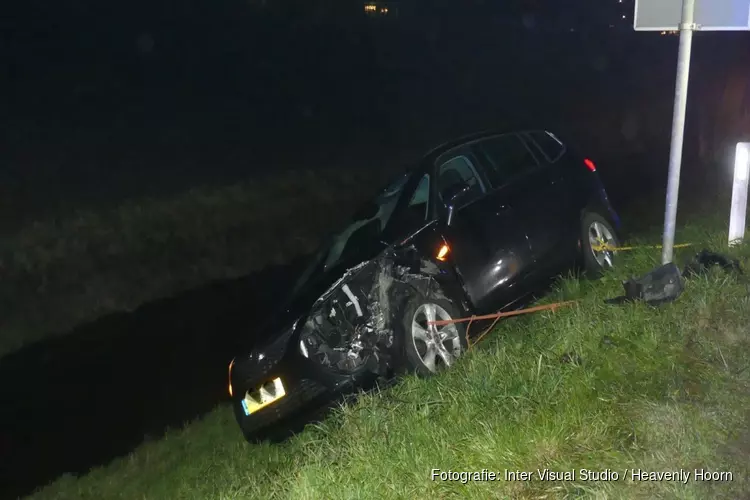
(561, 173)
(533, 186)
(488, 246)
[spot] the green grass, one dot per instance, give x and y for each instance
(58, 273)
(659, 389)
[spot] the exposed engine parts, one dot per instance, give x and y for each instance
(349, 327)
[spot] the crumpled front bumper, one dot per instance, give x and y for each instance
(263, 366)
(304, 381)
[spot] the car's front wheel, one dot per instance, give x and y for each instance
(428, 348)
(598, 239)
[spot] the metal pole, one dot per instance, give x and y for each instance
(678, 127)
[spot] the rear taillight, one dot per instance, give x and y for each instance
(589, 164)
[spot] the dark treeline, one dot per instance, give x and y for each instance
(139, 97)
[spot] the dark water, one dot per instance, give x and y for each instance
(82, 399)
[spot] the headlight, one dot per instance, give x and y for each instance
(261, 360)
(302, 346)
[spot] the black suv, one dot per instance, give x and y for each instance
(479, 225)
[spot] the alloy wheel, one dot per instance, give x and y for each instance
(436, 345)
(602, 242)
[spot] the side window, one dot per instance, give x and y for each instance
(548, 144)
(419, 202)
(456, 171)
(507, 157)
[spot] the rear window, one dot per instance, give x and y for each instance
(550, 146)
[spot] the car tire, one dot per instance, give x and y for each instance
(595, 227)
(421, 344)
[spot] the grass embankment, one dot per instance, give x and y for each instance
(55, 274)
(656, 389)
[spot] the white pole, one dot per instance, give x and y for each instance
(739, 193)
(678, 127)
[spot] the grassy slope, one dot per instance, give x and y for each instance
(669, 391)
(56, 274)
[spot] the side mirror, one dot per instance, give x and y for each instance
(452, 197)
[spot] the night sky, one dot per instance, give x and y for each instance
(185, 93)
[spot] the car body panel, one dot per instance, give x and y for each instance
(490, 251)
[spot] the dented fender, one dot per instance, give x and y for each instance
(350, 327)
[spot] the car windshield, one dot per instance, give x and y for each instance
(361, 230)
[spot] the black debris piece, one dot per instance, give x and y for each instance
(659, 286)
(706, 259)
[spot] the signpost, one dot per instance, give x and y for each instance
(687, 16)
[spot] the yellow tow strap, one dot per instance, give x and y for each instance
(605, 247)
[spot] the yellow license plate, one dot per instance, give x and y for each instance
(263, 395)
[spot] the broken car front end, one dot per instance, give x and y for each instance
(346, 339)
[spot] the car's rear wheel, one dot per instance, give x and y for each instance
(598, 241)
(428, 348)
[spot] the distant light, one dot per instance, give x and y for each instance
(589, 164)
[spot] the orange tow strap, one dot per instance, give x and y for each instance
(496, 317)
(545, 307)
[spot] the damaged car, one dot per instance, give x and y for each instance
(481, 224)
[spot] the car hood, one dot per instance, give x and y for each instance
(299, 301)
(297, 304)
